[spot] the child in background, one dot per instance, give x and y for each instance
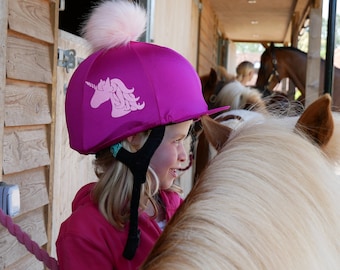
(131, 104)
(245, 72)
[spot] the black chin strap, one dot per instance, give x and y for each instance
(138, 164)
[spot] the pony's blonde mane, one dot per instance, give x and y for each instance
(269, 200)
(238, 96)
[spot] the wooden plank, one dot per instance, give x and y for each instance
(3, 38)
(26, 105)
(70, 170)
(28, 262)
(313, 57)
(11, 249)
(32, 186)
(208, 15)
(31, 17)
(28, 60)
(25, 149)
(194, 33)
(175, 28)
(208, 39)
(205, 65)
(54, 88)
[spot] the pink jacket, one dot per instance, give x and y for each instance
(88, 241)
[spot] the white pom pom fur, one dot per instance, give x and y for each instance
(113, 23)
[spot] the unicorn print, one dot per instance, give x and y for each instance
(122, 99)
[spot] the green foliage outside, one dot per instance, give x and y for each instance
(303, 40)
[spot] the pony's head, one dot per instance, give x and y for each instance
(268, 200)
(213, 82)
(209, 82)
(268, 75)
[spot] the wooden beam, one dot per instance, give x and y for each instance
(295, 29)
(3, 39)
(54, 10)
(313, 62)
(317, 4)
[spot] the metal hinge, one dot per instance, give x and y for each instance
(67, 59)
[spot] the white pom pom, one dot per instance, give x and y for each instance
(114, 23)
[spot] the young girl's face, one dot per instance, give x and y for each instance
(170, 154)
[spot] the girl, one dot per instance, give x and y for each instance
(131, 104)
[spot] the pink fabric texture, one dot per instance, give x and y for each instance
(87, 241)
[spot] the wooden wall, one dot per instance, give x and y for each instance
(191, 28)
(208, 39)
(3, 38)
(176, 26)
(27, 71)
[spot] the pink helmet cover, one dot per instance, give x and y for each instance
(119, 92)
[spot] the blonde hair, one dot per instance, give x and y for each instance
(269, 200)
(113, 191)
(243, 70)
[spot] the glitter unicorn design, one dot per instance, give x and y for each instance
(122, 99)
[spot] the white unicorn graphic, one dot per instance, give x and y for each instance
(122, 99)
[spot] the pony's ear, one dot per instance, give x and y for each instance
(216, 133)
(317, 120)
(208, 84)
(211, 78)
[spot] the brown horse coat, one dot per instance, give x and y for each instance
(290, 62)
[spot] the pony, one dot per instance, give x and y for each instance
(269, 199)
(289, 62)
(221, 88)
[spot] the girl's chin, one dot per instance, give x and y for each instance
(167, 184)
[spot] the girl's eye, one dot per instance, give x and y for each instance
(179, 140)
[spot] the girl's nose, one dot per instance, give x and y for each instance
(182, 154)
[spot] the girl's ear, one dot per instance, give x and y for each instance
(135, 140)
(130, 139)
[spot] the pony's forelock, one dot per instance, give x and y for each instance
(114, 23)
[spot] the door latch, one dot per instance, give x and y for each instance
(67, 59)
